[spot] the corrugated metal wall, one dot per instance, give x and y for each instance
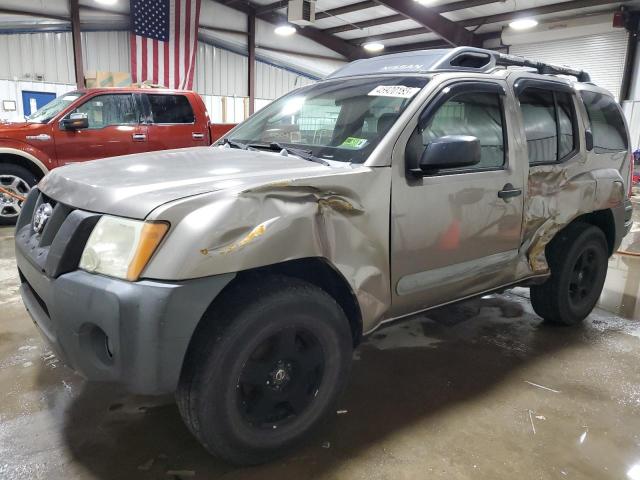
(106, 51)
(602, 55)
(49, 56)
(220, 72)
(273, 82)
(46, 56)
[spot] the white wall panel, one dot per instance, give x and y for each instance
(12, 90)
(49, 56)
(220, 72)
(603, 56)
(106, 51)
(31, 56)
(273, 82)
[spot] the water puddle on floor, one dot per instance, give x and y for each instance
(621, 294)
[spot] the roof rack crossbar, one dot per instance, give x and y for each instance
(507, 60)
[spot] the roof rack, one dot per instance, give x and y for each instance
(466, 59)
(506, 60)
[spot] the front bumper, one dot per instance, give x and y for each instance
(132, 333)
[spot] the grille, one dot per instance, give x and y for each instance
(58, 247)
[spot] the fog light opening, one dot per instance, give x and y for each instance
(108, 347)
(95, 340)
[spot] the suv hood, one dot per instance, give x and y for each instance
(134, 185)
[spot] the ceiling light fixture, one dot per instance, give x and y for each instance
(285, 30)
(107, 2)
(523, 23)
(424, 2)
(373, 47)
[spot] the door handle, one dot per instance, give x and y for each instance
(139, 137)
(197, 136)
(509, 191)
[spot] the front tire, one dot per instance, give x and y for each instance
(17, 181)
(265, 367)
(577, 257)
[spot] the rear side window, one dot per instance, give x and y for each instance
(607, 125)
(170, 109)
(549, 124)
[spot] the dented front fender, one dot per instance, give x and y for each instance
(342, 217)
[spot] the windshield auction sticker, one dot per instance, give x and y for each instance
(397, 91)
(353, 142)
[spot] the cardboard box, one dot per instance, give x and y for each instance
(107, 79)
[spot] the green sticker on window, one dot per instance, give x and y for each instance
(353, 142)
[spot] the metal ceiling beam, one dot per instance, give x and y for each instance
(336, 44)
(366, 24)
(448, 7)
(272, 7)
(501, 17)
(354, 7)
(390, 35)
(451, 32)
(27, 13)
(416, 46)
(554, 8)
(428, 45)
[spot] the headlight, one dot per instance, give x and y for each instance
(120, 247)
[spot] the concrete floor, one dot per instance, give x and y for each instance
(478, 390)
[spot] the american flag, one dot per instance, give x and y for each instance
(164, 38)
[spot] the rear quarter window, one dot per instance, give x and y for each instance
(170, 109)
(607, 124)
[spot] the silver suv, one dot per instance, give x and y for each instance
(241, 276)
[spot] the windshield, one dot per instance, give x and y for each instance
(54, 107)
(339, 120)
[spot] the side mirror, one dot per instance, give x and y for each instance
(450, 151)
(75, 121)
(588, 138)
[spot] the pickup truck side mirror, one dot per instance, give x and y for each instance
(75, 121)
(588, 138)
(450, 151)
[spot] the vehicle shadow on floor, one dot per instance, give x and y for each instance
(403, 374)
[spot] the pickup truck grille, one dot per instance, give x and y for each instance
(56, 248)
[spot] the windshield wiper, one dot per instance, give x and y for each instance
(304, 154)
(234, 144)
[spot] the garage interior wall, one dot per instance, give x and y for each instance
(44, 62)
(602, 55)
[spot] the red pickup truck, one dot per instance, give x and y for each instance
(97, 123)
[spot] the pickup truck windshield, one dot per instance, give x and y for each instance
(51, 109)
(339, 120)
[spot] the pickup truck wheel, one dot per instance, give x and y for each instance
(15, 182)
(267, 365)
(578, 260)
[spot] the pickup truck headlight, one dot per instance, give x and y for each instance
(120, 247)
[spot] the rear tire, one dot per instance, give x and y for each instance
(17, 180)
(577, 257)
(264, 368)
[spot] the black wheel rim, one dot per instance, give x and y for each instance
(281, 378)
(584, 276)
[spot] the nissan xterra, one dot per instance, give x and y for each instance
(241, 276)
